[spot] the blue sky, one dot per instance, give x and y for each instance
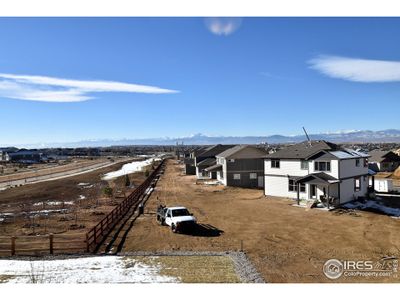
(154, 77)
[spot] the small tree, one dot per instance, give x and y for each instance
(127, 180)
(108, 191)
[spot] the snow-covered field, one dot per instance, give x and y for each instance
(104, 269)
(129, 168)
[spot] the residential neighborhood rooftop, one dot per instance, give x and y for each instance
(235, 152)
(379, 156)
(304, 150)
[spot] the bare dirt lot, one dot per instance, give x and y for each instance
(285, 243)
(68, 205)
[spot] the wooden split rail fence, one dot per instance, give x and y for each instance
(98, 233)
(75, 243)
(42, 244)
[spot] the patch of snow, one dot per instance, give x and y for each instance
(149, 191)
(83, 183)
(3, 188)
(129, 168)
(212, 183)
(81, 197)
(104, 269)
(54, 203)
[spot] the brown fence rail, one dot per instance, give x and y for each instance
(96, 235)
(42, 244)
(75, 243)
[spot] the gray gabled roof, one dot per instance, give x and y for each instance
(321, 176)
(304, 150)
(216, 167)
(214, 150)
(243, 152)
(379, 156)
(207, 162)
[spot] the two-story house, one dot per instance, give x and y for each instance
(383, 161)
(314, 170)
(206, 158)
(242, 166)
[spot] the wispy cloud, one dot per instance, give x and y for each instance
(357, 69)
(223, 26)
(51, 89)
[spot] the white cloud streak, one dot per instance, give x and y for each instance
(357, 69)
(51, 89)
(223, 26)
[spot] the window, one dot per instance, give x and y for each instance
(304, 165)
(232, 160)
(236, 176)
(322, 166)
(365, 162)
(357, 162)
(357, 184)
(253, 175)
(275, 163)
(293, 186)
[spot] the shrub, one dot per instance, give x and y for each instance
(108, 191)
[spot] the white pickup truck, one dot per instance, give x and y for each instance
(178, 218)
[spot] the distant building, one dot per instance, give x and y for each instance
(317, 170)
(190, 155)
(383, 161)
(5, 153)
(26, 156)
(241, 166)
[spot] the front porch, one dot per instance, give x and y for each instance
(319, 188)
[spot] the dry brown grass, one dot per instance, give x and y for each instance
(191, 269)
(285, 243)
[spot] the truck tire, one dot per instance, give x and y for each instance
(173, 228)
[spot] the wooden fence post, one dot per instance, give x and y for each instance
(87, 243)
(51, 239)
(13, 245)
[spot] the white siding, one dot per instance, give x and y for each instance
(287, 167)
(348, 168)
(347, 192)
(279, 187)
(224, 177)
(293, 168)
(383, 185)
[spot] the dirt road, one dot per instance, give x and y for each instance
(285, 243)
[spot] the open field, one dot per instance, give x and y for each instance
(43, 172)
(17, 171)
(67, 205)
(285, 243)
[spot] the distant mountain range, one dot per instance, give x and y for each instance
(361, 136)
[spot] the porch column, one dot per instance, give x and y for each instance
(328, 195)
